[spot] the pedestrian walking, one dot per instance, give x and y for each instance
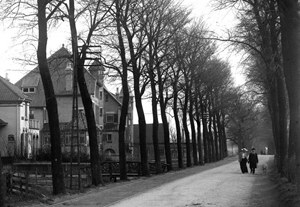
(253, 160)
(243, 160)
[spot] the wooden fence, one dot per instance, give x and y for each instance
(33, 178)
(22, 184)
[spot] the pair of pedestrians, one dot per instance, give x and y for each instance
(252, 159)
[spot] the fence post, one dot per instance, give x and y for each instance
(26, 187)
(21, 186)
(8, 179)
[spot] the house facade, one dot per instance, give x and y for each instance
(106, 105)
(61, 70)
(112, 104)
(19, 133)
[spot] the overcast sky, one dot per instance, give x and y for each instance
(217, 21)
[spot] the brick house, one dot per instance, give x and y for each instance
(19, 133)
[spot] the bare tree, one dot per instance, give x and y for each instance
(262, 44)
(93, 9)
(125, 101)
(51, 103)
(290, 40)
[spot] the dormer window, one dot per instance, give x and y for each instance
(69, 66)
(28, 90)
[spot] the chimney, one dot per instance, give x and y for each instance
(6, 76)
(117, 94)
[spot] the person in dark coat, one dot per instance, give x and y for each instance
(253, 160)
(243, 160)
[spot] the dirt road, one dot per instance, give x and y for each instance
(204, 186)
(223, 186)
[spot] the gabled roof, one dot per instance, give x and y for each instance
(10, 93)
(57, 65)
(112, 95)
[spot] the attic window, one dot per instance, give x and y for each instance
(29, 90)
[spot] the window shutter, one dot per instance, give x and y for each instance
(116, 118)
(104, 138)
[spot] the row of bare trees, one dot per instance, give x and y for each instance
(269, 33)
(154, 46)
(169, 59)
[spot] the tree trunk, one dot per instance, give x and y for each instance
(216, 136)
(2, 186)
(221, 136)
(86, 100)
(166, 130)
(205, 136)
(162, 104)
(125, 101)
(122, 128)
(224, 134)
(275, 82)
(142, 130)
(51, 103)
(139, 107)
(281, 85)
(198, 120)
(177, 124)
(155, 115)
(211, 138)
(193, 132)
(186, 131)
(290, 39)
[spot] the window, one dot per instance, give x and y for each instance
(109, 138)
(106, 97)
(29, 90)
(67, 137)
(45, 115)
(101, 112)
(11, 137)
(25, 90)
(100, 95)
(111, 118)
(47, 138)
(31, 114)
(82, 137)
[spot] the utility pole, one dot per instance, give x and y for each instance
(75, 126)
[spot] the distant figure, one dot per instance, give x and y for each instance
(243, 160)
(253, 160)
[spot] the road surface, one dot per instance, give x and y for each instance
(202, 186)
